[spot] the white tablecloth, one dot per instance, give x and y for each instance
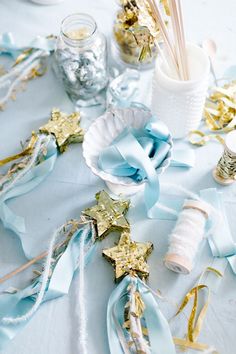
(71, 187)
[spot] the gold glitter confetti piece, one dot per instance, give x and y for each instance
(64, 127)
(38, 71)
(129, 257)
(109, 214)
(27, 151)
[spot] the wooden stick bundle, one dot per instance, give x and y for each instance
(175, 44)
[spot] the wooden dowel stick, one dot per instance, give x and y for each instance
(164, 32)
(28, 264)
(176, 35)
(39, 257)
(183, 39)
(23, 267)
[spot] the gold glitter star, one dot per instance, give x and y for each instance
(108, 214)
(64, 127)
(129, 257)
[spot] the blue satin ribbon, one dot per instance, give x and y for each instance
(182, 157)
(28, 182)
(139, 154)
(220, 241)
(17, 304)
(160, 338)
(9, 45)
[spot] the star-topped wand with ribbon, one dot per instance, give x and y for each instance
(77, 239)
(34, 164)
(134, 321)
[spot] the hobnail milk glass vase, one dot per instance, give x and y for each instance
(177, 103)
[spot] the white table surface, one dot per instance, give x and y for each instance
(71, 187)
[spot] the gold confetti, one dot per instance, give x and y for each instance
(109, 214)
(129, 257)
(136, 31)
(64, 127)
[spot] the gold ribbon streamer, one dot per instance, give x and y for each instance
(27, 151)
(195, 322)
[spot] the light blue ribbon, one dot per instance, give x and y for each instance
(160, 338)
(17, 304)
(139, 154)
(25, 184)
(220, 241)
(9, 45)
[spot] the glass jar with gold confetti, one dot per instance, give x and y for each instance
(81, 58)
(135, 34)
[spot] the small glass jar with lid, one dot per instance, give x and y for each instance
(81, 57)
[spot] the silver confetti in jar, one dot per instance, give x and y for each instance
(81, 57)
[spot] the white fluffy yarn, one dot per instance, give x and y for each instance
(185, 239)
(18, 73)
(80, 305)
(45, 275)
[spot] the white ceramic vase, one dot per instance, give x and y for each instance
(177, 103)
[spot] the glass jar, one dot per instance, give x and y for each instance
(81, 57)
(133, 43)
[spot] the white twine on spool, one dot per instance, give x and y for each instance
(185, 239)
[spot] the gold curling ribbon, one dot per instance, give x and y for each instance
(204, 138)
(219, 114)
(27, 151)
(195, 322)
